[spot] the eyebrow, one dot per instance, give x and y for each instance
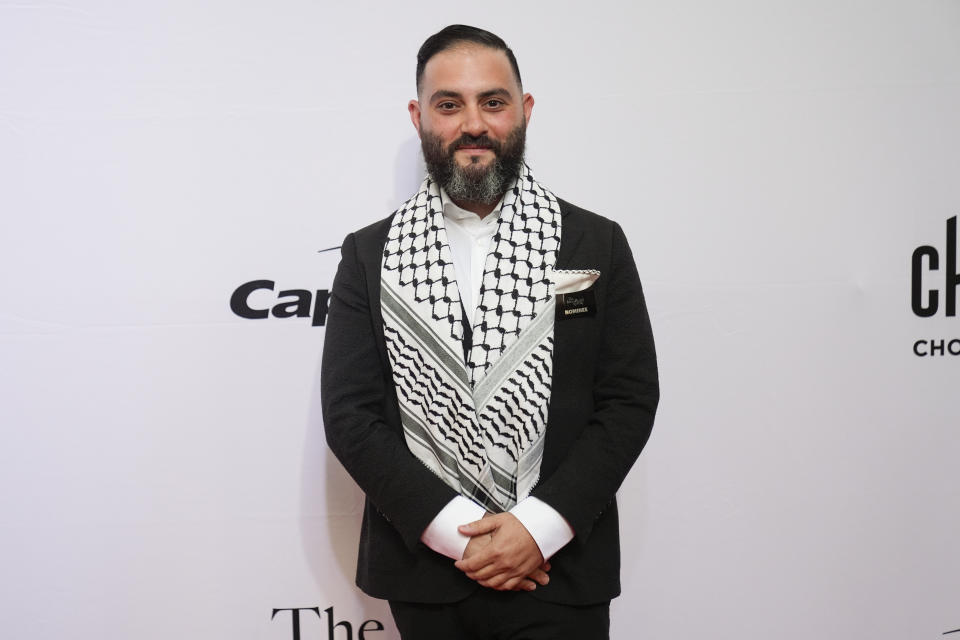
(483, 95)
(498, 92)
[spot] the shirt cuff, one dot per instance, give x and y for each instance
(441, 534)
(549, 529)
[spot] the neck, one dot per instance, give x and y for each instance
(481, 209)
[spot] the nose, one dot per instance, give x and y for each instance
(473, 123)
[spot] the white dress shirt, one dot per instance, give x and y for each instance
(469, 237)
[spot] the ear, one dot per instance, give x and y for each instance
(414, 108)
(527, 106)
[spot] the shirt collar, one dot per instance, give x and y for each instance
(454, 212)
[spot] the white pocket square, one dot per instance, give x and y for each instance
(572, 280)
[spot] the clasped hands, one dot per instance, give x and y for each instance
(502, 554)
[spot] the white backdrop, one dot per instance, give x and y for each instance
(163, 472)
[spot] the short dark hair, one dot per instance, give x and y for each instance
(455, 34)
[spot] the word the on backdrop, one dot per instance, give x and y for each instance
(332, 634)
(290, 303)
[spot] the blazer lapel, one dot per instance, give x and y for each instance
(569, 241)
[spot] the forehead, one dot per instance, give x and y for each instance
(468, 69)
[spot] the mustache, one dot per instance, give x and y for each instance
(467, 140)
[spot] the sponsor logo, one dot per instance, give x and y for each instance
(364, 630)
(251, 301)
(289, 303)
(934, 284)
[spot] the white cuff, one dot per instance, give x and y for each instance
(549, 529)
(441, 534)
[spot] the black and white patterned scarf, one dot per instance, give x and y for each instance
(480, 424)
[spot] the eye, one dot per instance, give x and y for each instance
(494, 104)
(446, 105)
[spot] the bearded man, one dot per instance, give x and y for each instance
(489, 375)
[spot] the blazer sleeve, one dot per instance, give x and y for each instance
(356, 394)
(625, 396)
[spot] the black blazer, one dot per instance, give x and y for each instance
(604, 397)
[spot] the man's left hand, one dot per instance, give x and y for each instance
(508, 559)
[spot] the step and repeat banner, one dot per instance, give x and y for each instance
(176, 179)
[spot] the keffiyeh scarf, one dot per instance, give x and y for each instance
(478, 423)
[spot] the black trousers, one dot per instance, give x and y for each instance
(501, 615)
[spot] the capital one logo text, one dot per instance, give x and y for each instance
(290, 303)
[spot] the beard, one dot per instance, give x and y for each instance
(475, 182)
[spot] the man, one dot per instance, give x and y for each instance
(489, 375)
